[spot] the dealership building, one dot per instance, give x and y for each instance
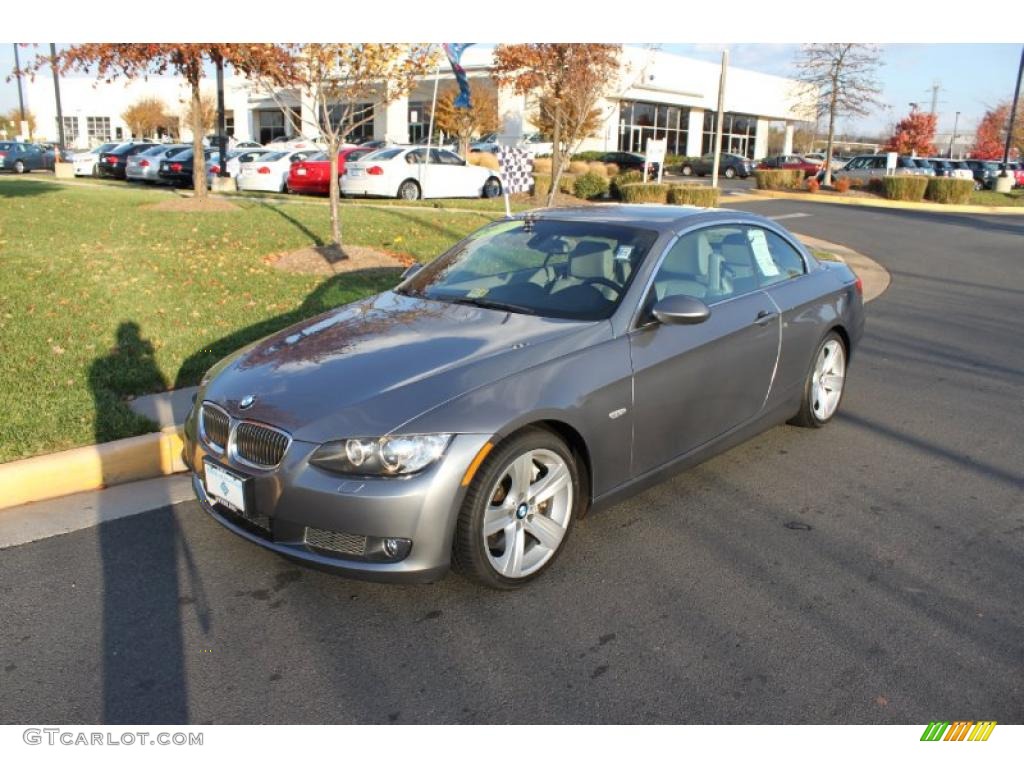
(656, 95)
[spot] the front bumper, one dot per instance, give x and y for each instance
(297, 496)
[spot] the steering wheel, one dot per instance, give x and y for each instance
(606, 282)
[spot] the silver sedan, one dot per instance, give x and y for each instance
(547, 365)
(145, 165)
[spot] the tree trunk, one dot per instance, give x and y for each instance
(556, 153)
(198, 158)
(827, 180)
(335, 195)
(464, 146)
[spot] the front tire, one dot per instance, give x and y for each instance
(518, 511)
(19, 166)
(409, 190)
(825, 383)
(730, 173)
(687, 170)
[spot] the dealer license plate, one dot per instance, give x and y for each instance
(225, 487)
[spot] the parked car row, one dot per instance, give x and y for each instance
(983, 172)
(23, 157)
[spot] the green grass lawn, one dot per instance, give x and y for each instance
(102, 298)
(988, 197)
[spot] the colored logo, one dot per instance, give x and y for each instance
(247, 401)
(960, 730)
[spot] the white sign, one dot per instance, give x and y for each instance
(890, 163)
(656, 149)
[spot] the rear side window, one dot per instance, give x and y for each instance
(775, 259)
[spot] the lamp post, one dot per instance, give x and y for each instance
(21, 99)
(1004, 182)
(222, 140)
(60, 113)
(952, 139)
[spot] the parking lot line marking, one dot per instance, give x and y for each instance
(790, 216)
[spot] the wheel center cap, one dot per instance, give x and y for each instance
(521, 511)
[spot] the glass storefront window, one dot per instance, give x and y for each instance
(738, 133)
(641, 120)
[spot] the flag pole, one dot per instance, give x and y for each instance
(430, 123)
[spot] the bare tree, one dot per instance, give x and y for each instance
(345, 83)
(840, 78)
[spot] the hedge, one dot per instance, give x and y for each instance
(783, 178)
(589, 156)
(542, 165)
(484, 160)
(541, 185)
(626, 177)
(577, 167)
(644, 193)
(908, 188)
(693, 194)
(566, 183)
(947, 190)
(590, 186)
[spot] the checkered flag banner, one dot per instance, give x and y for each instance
(516, 169)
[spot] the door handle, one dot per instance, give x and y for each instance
(764, 317)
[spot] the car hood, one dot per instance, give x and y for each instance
(367, 368)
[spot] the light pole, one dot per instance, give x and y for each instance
(21, 99)
(1013, 115)
(56, 93)
(952, 139)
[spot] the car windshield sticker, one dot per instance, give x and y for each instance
(476, 293)
(759, 244)
(623, 252)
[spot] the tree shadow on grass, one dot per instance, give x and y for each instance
(12, 187)
(279, 210)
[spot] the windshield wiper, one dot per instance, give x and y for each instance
(488, 304)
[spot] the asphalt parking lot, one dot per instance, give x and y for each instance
(869, 572)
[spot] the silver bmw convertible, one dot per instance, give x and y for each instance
(546, 365)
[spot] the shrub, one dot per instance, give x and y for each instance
(842, 185)
(598, 168)
(784, 178)
(909, 188)
(541, 185)
(638, 192)
(566, 183)
(946, 190)
(611, 170)
(626, 177)
(542, 165)
(813, 185)
(578, 167)
(590, 186)
(876, 186)
(484, 160)
(693, 194)
(589, 156)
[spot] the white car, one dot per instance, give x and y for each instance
(282, 143)
(269, 173)
(402, 172)
(85, 162)
(236, 159)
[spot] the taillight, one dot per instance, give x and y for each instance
(175, 167)
(112, 159)
(214, 169)
(144, 164)
(263, 169)
(3, 154)
(375, 170)
(858, 286)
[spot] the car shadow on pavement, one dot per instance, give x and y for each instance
(143, 665)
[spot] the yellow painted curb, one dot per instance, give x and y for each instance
(811, 197)
(91, 467)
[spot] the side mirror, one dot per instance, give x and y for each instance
(681, 310)
(411, 270)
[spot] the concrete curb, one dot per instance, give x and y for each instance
(809, 197)
(94, 467)
(91, 467)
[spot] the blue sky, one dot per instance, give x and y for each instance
(973, 76)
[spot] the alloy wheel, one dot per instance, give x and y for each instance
(528, 512)
(827, 379)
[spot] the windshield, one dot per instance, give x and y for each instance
(384, 154)
(577, 270)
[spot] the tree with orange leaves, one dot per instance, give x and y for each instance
(567, 80)
(133, 60)
(990, 137)
(914, 135)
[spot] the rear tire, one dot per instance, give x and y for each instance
(409, 190)
(526, 535)
(730, 173)
(687, 170)
(19, 167)
(492, 188)
(825, 383)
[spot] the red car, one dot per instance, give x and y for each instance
(790, 162)
(312, 176)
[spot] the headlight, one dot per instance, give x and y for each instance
(387, 456)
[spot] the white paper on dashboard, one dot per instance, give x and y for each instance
(759, 244)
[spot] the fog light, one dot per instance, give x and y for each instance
(391, 547)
